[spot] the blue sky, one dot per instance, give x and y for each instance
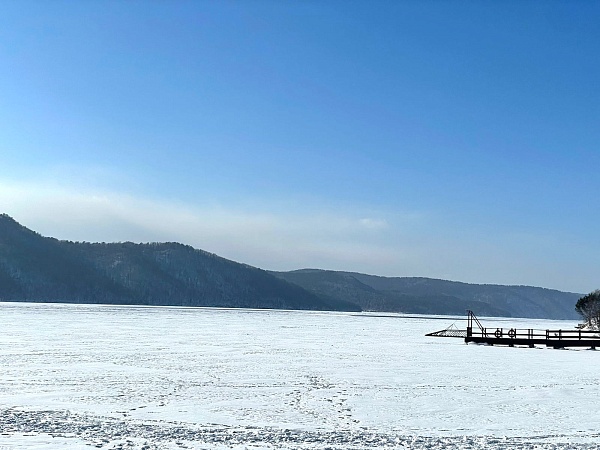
(455, 140)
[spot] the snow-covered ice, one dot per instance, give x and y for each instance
(125, 377)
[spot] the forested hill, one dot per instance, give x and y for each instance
(431, 296)
(41, 269)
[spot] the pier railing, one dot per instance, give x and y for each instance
(530, 333)
(531, 337)
(476, 332)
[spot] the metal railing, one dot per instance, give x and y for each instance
(476, 331)
(530, 333)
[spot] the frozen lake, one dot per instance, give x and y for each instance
(82, 376)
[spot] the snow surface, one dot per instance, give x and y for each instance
(125, 377)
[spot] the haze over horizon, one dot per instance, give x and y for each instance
(453, 140)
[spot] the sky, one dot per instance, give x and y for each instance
(444, 139)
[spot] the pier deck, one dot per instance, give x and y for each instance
(530, 337)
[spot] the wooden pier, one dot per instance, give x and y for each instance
(529, 337)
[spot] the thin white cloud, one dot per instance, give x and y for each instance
(374, 224)
(266, 239)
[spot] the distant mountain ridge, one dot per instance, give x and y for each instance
(430, 296)
(41, 269)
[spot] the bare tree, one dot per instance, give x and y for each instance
(588, 307)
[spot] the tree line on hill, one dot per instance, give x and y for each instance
(41, 269)
(430, 296)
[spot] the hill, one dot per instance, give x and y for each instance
(41, 269)
(431, 296)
